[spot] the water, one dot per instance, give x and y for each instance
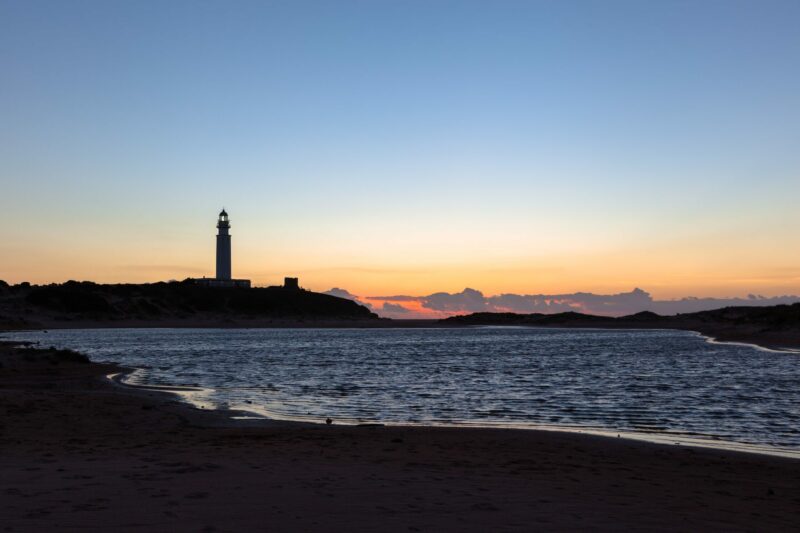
(659, 382)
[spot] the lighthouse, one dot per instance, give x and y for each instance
(224, 277)
(223, 246)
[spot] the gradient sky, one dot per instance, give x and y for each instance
(405, 147)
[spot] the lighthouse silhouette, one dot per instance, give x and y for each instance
(223, 246)
(224, 277)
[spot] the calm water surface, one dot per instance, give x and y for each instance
(654, 381)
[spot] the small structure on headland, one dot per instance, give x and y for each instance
(291, 284)
(223, 278)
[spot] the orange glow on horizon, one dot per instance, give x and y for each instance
(414, 263)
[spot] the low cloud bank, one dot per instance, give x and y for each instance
(389, 307)
(442, 304)
(342, 293)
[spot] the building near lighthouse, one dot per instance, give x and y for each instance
(224, 276)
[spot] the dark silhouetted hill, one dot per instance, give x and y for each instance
(643, 316)
(179, 303)
(777, 325)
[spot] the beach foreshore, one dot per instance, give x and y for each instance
(80, 451)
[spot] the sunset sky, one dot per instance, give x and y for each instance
(399, 147)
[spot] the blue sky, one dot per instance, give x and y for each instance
(405, 145)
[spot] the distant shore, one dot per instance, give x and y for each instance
(774, 327)
(76, 305)
(80, 451)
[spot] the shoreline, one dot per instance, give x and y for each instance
(80, 450)
(764, 347)
(243, 417)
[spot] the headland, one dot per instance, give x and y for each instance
(173, 304)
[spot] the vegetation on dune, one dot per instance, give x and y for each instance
(154, 301)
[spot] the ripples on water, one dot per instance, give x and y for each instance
(620, 380)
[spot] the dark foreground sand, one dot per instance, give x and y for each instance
(79, 452)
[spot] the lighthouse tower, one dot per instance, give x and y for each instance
(223, 247)
(224, 277)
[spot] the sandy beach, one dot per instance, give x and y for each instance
(81, 452)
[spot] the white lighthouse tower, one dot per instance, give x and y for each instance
(223, 247)
(224, 277)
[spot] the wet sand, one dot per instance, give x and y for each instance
(80, 452)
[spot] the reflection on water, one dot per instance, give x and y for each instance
(657, 381)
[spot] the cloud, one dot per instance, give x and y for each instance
(386, 309)
(342, 293)
(585, 302)
(442, 304)
(389, 307)
(466, 300)
(398, 298)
